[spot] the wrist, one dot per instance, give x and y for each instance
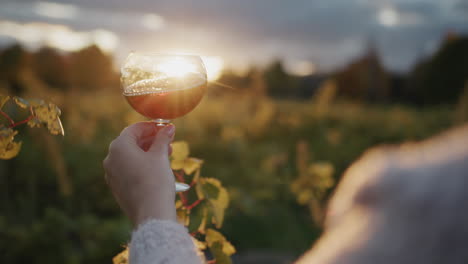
(161, 208)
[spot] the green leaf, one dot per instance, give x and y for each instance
(210, 190)
(216, 195)
(219, 246)
(3, 100)
(23, 103)
(8, 147)
(198, 217)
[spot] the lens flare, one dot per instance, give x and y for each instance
(179, 67)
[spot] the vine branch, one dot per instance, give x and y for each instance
(15, 124)
(7, 117)
(193, 204)
(21, 122)
(181, 179)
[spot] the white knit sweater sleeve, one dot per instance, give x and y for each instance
(161, 241)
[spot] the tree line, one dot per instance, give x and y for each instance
(437, 79)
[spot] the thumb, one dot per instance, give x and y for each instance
(162, 140)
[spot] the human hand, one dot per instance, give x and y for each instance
(138, 172)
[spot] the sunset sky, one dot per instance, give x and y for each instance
(306, 34)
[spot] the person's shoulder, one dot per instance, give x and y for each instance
(387, 170)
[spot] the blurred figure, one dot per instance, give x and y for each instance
(405, 204)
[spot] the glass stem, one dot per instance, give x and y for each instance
(161, 122)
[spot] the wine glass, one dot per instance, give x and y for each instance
(163, 86)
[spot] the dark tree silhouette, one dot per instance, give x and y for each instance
(441, 78)
(52, 67)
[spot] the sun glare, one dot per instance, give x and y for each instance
(214, 66)
(177, 68)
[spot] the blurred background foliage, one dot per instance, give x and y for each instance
(278, 142)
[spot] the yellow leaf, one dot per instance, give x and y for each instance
(191, 165)
(8, 148)
(199, 244)
(180, 150)
(182, 217)
(34, 122)
(3, 100)
(55, 127)
(323, 174)
(177, 164)
(121, 258)
(213, 236)
(180, 159)
(21, 102)
(49, 114)
(305, 196)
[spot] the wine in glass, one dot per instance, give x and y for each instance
(163, 86)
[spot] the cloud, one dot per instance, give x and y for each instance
(62, 37)
(327, 33)
(83, 18)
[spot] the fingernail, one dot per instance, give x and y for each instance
(170, 130)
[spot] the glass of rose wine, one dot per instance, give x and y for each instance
(163, 86)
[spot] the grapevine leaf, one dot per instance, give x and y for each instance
(8, 147)
(121, 258)
(180, 158)
(323, 174)
(180, 150)
(210, 188)
(23, 103)
(182, 217)
(191, 165)
(178, 204)
(3, 100)
(303, 197)
(217, 196)
(198, 218)
(49, 114)
(36, 102)
(199, 244)
(217, 250)
(213, 237)
(311, 186)
(177, 164)
(34, 122)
